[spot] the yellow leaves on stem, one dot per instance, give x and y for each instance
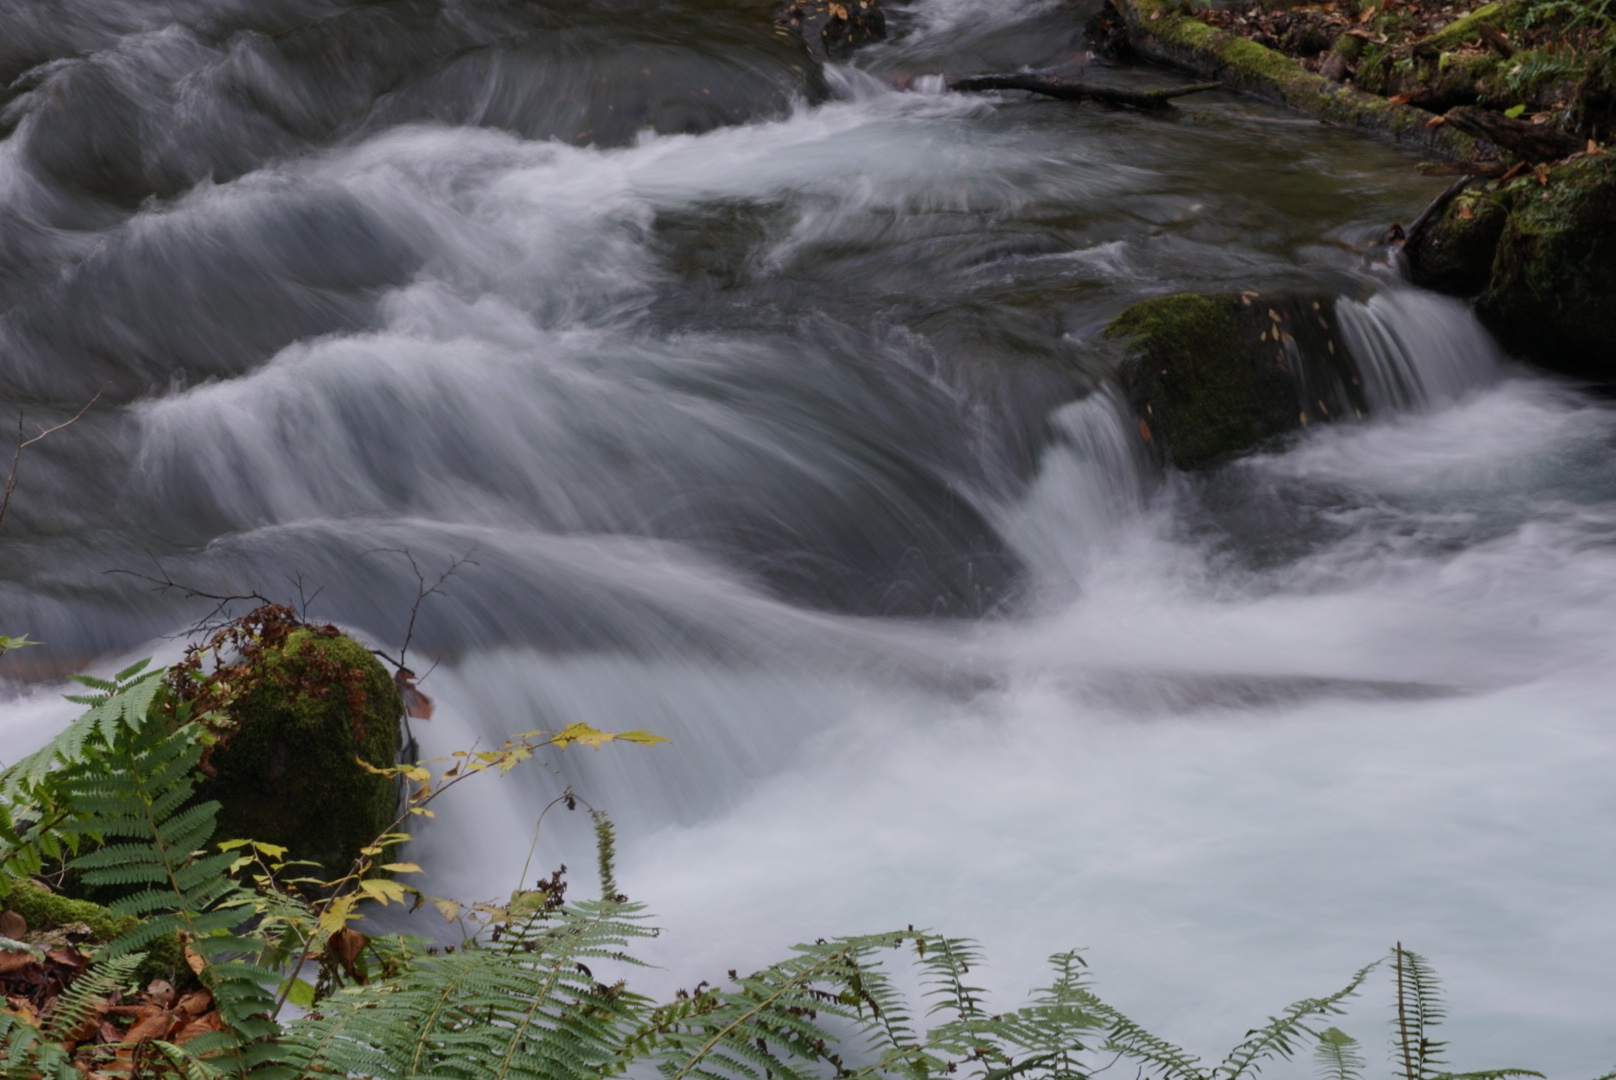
(585, 735)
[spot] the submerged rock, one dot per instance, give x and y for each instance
(1539, 258)
(286, 769)
(1211, 376)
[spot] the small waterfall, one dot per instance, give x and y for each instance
(1417, 349)
(1093, 478)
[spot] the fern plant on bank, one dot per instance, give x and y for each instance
(537, 988)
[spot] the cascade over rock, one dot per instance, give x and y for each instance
(1211, 376)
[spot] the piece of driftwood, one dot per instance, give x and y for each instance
(1534, 142)
(1492, 170)
(1072, 90)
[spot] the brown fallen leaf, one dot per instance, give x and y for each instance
(1465, 213)
(194, 960)
(12, 925)
(161, 993)
(110, 1032)
(153, 1027)
(84, 1032)
(1542, 174)
(1144, 429)
(346, 945)
(196, 1003)
(1436, 121)
(1401, 99)
(417, 706)
(23, 1009)
(202, 1025)
(11, 962)
(71, 958)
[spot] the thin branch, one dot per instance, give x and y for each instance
(23, 442)
(208, 622)
(422, 591)
(303, 601)
(1072, 90)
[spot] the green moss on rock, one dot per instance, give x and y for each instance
(287, 771)
(1212, 376)
(1454, 252)
(1159, 31)
(46, 910)
(1552, 291)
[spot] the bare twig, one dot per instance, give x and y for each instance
(23, 442)
(422, 591)
(163, 582)
(303, 600)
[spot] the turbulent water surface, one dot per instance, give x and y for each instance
(762, 401)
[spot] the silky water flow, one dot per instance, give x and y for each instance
(770, 408)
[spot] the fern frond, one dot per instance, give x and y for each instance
(946, 966)
(1419, 1011)
(605, 853)
(77, 1003)
(1489, 1074)
(530, 1008)
(1337, 1057)
(1279, 1037)
(768, 1027)
(27, 1054)
(1126, 1037)
(131, 795)
(125, 706)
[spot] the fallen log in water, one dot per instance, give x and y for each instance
(1536, 143)
(1072, 90)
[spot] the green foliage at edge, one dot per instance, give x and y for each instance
(530, 1004)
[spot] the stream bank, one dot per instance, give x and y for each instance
(1532, 240)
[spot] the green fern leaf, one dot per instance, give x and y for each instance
(1337, 1057)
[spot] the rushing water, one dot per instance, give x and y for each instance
(763, 404)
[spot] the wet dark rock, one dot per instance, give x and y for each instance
(1453, 253)
(1539, 259)
(1107, 34)
(1552, 293)
(1593, 102)
(833, 28)
(1213, 376)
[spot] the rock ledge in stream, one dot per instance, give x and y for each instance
(1540, 261)
(1212, 376)
(832, 28)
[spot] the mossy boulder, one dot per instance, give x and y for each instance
(1213, 376)
(1453, 253)
(1552, 293)
(45, 911)
(1540, 261)
(286, 770)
